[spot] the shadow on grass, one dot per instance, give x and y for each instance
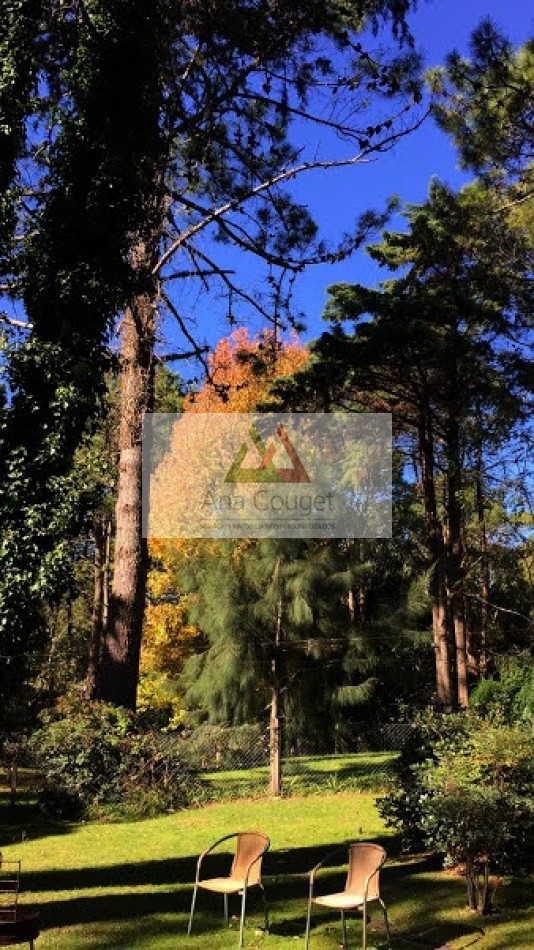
(323, 770)
(149, 907)
(290, 867)
(399, 883)
(417, 902)
(24, 820)
(317, 773)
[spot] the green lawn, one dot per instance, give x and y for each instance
(128, 885)
(305, 773)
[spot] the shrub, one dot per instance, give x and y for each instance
(156, 776)
(78, 751)
(477, 805)
(94, 759)
(402, 806)
(510, 697)
(466, 791)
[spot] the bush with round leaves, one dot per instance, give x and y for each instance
(402, 807)
(477, 805)
(465, 790)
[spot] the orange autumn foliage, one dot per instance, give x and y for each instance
(242, 369)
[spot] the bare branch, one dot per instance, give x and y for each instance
(198, 349)
(217, 213)
(12, 322)
(233, 288)
(515, 202)
(503, 610)
(195, 272)
(174, 357)
(287, 174)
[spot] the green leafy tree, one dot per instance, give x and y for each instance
(76, 613)
(478, 807)
(485, 102)
(89, 154)
(20, 24)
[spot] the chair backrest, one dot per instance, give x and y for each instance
(9, 889)
(364, 860)
(251, 846)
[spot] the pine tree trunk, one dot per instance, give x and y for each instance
(362, 593)
(118, 672)
(106, 574)
(275, 742)
(444, 685)
(482, 652)
(455, 574)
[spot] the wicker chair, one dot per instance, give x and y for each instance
(361, 887)
(245, 873)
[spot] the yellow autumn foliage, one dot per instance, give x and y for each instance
(242, 371)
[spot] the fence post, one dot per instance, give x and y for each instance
(13, 781)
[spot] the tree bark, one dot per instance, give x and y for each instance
(275, 728)
(485, 590)
(455, 566)
(118, 672)
(275, 739)
(444, 685)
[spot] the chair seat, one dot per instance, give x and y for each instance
(343, 900)
(222, 885)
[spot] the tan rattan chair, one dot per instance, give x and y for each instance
(244, 873)
(361, 887)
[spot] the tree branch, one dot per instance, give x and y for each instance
(287, 174)
(12, 322)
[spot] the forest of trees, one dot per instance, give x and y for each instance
(139, 142)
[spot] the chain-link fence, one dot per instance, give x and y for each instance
(217, 761)
(234, 761)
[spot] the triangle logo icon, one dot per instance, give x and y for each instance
(266, 471)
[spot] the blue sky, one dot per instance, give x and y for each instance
(336, 198)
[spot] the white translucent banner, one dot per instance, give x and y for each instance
(264, 475)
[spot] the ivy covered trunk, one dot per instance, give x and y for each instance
(102, 560)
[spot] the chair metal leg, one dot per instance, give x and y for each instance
(308, 923)
(265, 907)
(193, 902)
(344, 930)
(364, 934)
(242, 922)
(225, 898)
(388, 932)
